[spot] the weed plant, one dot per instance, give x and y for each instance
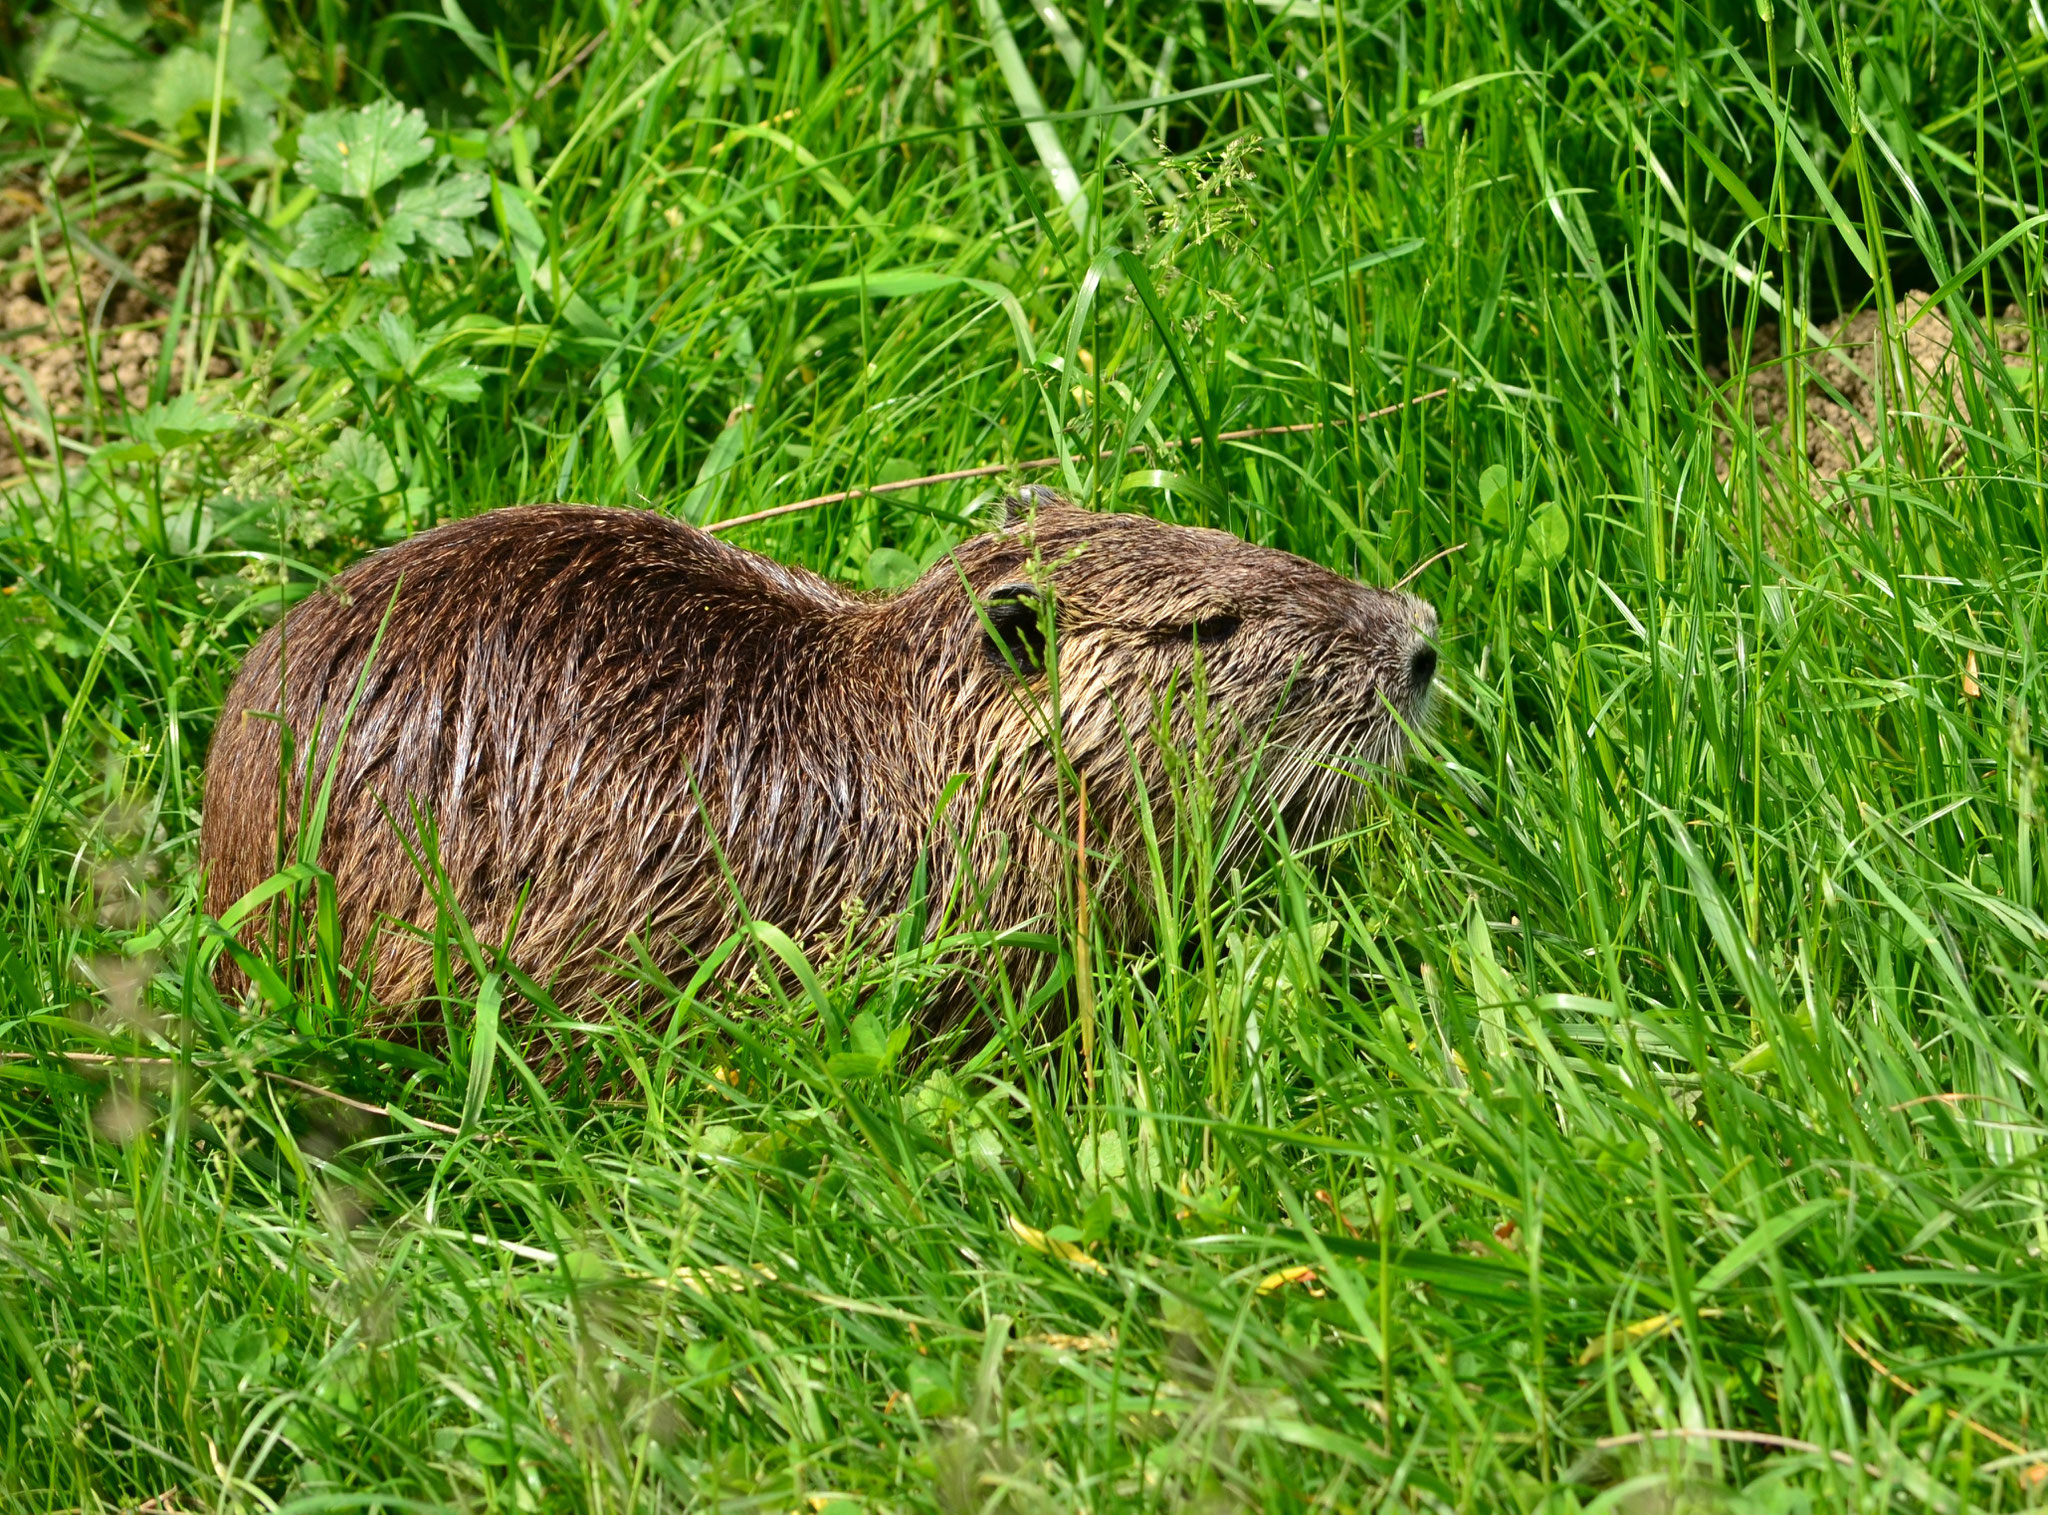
(1642, 1109)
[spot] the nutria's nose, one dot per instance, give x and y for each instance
(1421, 667)
(1421, 648)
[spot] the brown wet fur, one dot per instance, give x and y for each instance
(612, 711)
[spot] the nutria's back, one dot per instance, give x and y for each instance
(638, 726)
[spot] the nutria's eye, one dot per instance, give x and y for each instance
(1209, 631)
(1014, 628)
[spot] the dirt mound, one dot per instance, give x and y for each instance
(1843, 397)
(107, 286)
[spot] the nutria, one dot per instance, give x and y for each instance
(562, 698)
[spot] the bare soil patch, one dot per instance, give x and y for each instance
(84, 299)
(1852, 376)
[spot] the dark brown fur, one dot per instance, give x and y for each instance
(572, 694)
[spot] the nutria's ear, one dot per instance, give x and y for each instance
(1013, 628)
(1014, 511)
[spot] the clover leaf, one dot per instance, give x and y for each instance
(1497, 497)
(1550, 533)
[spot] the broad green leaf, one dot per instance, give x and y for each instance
(896, 471)
(181, 94)
(931, 1388)
(1550, 533)
(1496, 497)
(865, 1034)
(367, 343)
(888, 569)
(355, 153)
(853, 1065)
(184, 419)
(385, 254)
(427, 216)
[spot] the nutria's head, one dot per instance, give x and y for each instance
(1303, 674)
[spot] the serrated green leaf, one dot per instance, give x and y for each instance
(458, 381)
(427, 214)
(253, 83)
(367, 342)
(332, 239)
(385, 253)
(181, 94)
(433, 212)
(401, 338)
(184, 419)
(94, 49)
(357, 455)
(355, 153)
(166, 427)
(248, 134)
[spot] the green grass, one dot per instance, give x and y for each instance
(1665, 1053)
